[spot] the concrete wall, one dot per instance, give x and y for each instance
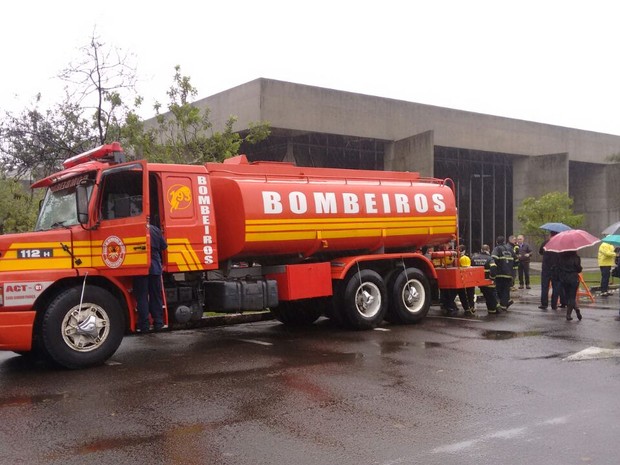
(536, 176)
(414, 153)
(307, 108)
(613, 193)
(243, 101)
(588, 189)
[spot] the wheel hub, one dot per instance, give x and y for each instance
(85, 329)
(368, 300)
(411, 295)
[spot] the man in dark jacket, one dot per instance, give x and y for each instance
(525, 254)
(485, 259)
(504, 260)
(148, 289)
(512, 242)
(550, 278)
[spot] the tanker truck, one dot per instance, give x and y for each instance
(301, 242)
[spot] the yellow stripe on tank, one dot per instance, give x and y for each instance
(343, 234)
(341, 228)
(314, 222)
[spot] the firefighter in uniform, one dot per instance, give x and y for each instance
(467, 296)
(484, 258)
(504, 257)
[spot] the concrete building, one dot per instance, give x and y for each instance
(496, 162)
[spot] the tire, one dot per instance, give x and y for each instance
(410, 297)
(364, 300)
(298, 312)
(101, 332)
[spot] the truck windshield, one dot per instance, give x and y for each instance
(59, 208)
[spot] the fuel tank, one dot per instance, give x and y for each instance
(269, 209)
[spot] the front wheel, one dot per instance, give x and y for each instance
(75, 336)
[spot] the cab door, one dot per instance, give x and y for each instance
(120, 241)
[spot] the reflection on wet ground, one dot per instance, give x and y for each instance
(36, 399)
(502, 335)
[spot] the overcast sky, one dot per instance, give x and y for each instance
(554, 62)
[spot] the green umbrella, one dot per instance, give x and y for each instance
(613, 239)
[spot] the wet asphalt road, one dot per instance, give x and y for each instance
(490, 389)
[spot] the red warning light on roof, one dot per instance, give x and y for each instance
(94, 154)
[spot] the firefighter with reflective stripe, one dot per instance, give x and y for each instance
(484, 258)
(504, 257)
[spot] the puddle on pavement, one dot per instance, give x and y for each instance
(395, 346)
(499, 335)
(26, 400)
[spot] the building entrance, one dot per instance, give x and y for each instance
(483, 183)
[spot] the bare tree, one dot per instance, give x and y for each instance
(34, 142)
(102, 80)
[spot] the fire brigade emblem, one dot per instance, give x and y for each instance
(113, 252)
(179, 197)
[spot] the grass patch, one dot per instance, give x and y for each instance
(592, 279)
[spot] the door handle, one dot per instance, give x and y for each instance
(140, 247)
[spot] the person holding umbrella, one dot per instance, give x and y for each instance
(566, 244)
(547, 274)
(569, 267)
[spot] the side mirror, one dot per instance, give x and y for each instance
(81, 199)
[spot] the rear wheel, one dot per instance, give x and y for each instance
(364, 301)
(75, 336)
(409, 296)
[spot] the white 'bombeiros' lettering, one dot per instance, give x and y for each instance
(351, 203)
(325, 203)
(272, 202)
(438, 203)
(371, 203)
(298, 202)
(402, 203)
(204, 202)
(387, 208)
(421, 203)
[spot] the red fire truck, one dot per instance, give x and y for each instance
(302, 242)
